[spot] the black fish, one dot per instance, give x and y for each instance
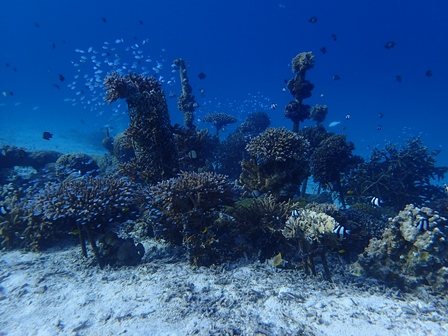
(7, 65)
(141, 22)
(323, 50)
(312, 19)
(47, 136)
(379, 128)
(11, 93)
(389, 44)
(14, 69)
(380, 115)
(56, 86)
(104, 19)
(61, 78)
(36, 24)
(398, 78)
(334, 37)
(202, 75)
(336, 77)
(53, 45)
(428, 73)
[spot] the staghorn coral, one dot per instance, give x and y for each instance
(186, 101)
(408, 255)
(254, 124)
(149, 129)
(87, 204)
(184, 208)
(319, 113)
(233, 149)
(277, 144)
(399, 176)
(331, 160)
(76, 163)
(219, 120)
(297, 112)
(278, 163)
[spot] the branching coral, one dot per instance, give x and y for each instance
(86, 204)
(76, 163)
(319, 113)
(183, 209)
(331, 160)
(399, 176)
(278, 163)
(219, 120)
(257, 224)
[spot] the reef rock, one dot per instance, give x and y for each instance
(412, 252)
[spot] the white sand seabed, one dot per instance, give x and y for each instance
(58, 292)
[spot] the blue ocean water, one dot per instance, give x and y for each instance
(244, 48)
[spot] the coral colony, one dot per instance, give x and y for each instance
(245, 196)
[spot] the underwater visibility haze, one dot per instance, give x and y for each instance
(309, 136)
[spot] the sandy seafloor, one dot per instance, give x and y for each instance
(58, 292)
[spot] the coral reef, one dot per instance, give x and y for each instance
(150, 128)
(233, 149)
(256, 224)
(331, 160)
(412, 252)
(11, 156)
(123, 149)
(300, 88)
(186, 101)
(278, 163)
(196, 150)
(87, 205)
(76, 164)
(399, 176)
(219, 120)
(319, 113)
(314, 232)
(183, 210)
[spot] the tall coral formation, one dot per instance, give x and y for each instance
(278, 163)
(183, 211)
(319, 113)
(150, 128)
(412, 252)
(186, 102)
(300, 88)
